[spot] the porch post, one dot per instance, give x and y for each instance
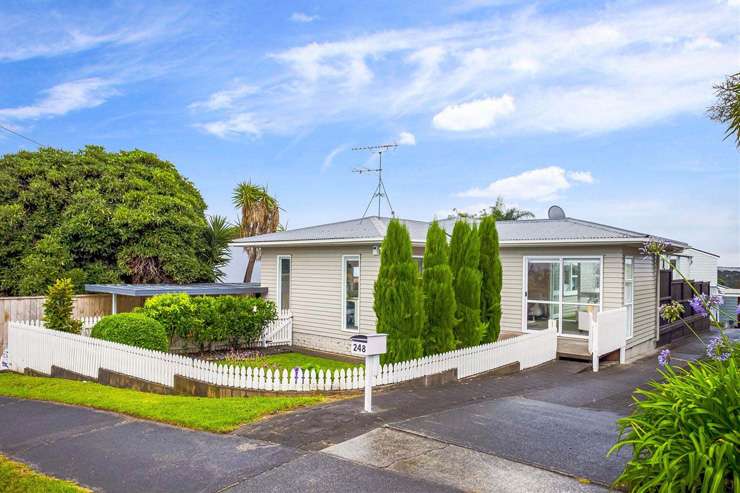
(114, 303)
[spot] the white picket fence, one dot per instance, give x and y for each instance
(32, 346)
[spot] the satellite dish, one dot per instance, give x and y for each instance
(555, 212)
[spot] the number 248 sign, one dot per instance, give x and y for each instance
(359, 348)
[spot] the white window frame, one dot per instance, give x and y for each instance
(422, 262)
(631, 303)
(560, 303)
(343, 287)
(279, 283)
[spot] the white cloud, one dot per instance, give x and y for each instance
(474, 115)
(540, 184)
(329, 159)
(581, 176)
(303, 18)
(225, 99)
(240, 124)
(64, 98)
(407, 139)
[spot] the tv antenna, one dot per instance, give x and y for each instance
(379, 192)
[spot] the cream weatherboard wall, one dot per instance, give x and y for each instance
(316, 293)
(317, 282)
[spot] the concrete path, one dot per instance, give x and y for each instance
(113, 453)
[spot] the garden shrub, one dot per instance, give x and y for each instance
(439, 295)
(58, 308)
(176, 312)
(685, 431)
(209, 330)
(133, 329)
(241, 319)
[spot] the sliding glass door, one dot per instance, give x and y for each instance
(559, 288)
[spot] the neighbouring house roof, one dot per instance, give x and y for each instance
(528, 231)
(210, 288)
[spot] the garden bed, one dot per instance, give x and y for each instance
(279, 360)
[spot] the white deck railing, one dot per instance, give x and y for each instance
(34, 347)
(608, 334)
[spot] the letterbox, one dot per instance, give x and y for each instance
(369, 344)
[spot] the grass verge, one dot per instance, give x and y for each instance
(288, 361)
(199, 413)
(16, 477)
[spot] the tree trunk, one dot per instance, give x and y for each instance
(252, 253)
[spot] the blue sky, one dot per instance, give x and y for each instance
(598, 107)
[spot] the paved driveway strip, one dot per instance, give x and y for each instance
(114, 453)
(564, 439)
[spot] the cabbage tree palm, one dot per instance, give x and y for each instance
(219, 234)
(259, 214)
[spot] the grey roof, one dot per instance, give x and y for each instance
(525, 230)
(210, 288)
(370, 228)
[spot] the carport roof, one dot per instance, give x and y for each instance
(206, 288)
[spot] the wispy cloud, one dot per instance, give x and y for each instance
(226, 98)
(329, 159)
(234, 126)
(579, 71)
(540, 184)
(64, 98)
(303, 18)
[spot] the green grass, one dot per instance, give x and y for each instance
(16, 477)
(289, 361)
(200, 413)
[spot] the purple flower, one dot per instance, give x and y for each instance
(653, 246)
(697, 304)
(737, 310)
(664, 357)
(715, 348)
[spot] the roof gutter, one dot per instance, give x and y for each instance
(378, 240)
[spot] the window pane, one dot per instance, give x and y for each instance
(284, 283)
(628, 293)
(538, 315)
(581, 281)
(353, 278)
(419, 263)
(543, 281)
(351, 316)
(628, 269)
(571, 323)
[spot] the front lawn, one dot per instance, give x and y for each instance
(289, 361)
(16, 477)
(200, 413)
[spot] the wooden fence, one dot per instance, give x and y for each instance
(32, 308)
(34, 347)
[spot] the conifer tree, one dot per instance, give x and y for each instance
(465, 261)
(398, 302)
(491, 280)
(439, 295)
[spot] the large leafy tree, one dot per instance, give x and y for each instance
(726, 109)
(259, 214)
(491, 279)
(97, 216)
(439, 295)
(464, 261)
(398, 303)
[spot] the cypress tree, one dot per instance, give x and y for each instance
(398, 301)
(465, 262)
(439, 295)
(491, 280)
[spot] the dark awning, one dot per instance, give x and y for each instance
(206, 288)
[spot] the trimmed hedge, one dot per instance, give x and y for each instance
(133, 329)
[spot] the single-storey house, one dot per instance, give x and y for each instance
(552, 270)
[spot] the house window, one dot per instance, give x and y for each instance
(351, 292)
(284, 268)
(629, 292)
(559, 289)
(419, 262)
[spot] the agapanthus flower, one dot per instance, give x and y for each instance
(697, 304)
(716, 349)
(664, 357)
(653, 246)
